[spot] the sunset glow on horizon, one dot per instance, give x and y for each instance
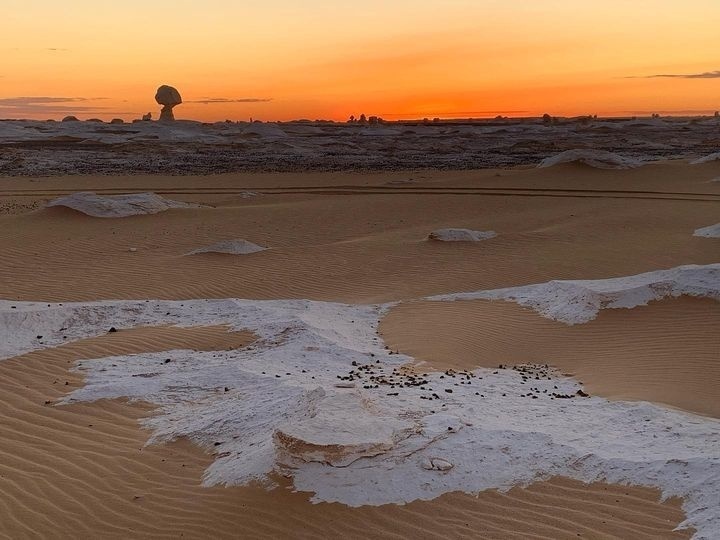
(282, 60)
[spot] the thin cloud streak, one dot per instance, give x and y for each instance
(32, 100)
(48, 105)
(453, 113)
(705, 75)
(213, 101)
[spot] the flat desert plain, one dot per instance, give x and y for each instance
(352, 390)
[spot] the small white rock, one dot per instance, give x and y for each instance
(436, 464)
(461, 235)
(132, 250)
(440, 464)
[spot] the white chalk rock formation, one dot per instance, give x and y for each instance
(461, 235)
(168, 97)
(235, 402)
(713, 231)
(599, 159)
(436, 464)
(579, 301)
(339, 434)
(118, 206)
(706, 159)
(230, 247)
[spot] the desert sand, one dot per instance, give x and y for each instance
(82, 469)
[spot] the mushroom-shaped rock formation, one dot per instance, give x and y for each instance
(168, 97)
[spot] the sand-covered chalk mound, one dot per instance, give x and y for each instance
(230, 247)
(579, 301)
(329, 436)
(600, 159)
(712, 231)
(118, 206)
(461, 235)
(706, 159)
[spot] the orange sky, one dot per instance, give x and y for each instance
(332, 58)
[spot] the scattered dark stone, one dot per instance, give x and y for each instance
(449, 390)
(112, 330)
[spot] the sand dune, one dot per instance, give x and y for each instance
(375, 249)
(664, 352)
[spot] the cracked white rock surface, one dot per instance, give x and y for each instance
(579, 301)
(372, 446)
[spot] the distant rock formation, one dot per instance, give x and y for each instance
(70, 119)
(117, 121)
(168, 97)
(147, 117)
